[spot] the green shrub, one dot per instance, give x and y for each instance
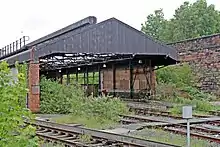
(105, 107)
(202, 105)
(85, 138)
(199, 105)
(176, 110)
(180, 100)
(175, 84)
(13, 112)
(58, 98)
(195, 93)
(165, 90)
(177, 74)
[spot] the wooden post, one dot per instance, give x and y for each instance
(131, 78)
(114, 80)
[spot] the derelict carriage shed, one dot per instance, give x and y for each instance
(124, 57)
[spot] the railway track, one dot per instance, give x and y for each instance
(135, 100)
(178, 128)
(217, 113)
(198, 132)
(129, 119)
(71, 136)
(149, 101)
(164, 113)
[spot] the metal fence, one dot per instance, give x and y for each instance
(14, 47)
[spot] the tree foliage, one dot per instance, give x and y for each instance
(189, 21)
(155, 24)
(12, 111)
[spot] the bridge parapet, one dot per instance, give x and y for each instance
(13, 47)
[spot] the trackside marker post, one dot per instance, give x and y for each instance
(187, 114)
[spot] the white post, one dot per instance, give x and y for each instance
(188, 133)
(187, 114)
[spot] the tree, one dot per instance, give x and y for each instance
(13, 131)
(155, 24)
(189, 21)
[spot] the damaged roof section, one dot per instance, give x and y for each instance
(108, 37)
(19, 46)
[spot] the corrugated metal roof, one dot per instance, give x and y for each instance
(52, 36)
(109, 36)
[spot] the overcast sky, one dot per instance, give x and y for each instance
(36, 18)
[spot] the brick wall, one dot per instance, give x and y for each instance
(203, 54)
(34, 91)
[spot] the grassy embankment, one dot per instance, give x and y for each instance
(177, 84)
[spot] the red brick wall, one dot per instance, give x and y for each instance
(34, 91)
(203, 54)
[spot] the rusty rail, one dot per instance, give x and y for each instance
(178, 127)
(158, 112)
(195, 134)
(69, 135)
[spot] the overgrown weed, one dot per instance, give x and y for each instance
(176, 84)
(95, 112)
(171, 138)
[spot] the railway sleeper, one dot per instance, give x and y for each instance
(56, 133)
(61, 140)
(43, 131)
(128, 121)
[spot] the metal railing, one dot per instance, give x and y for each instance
(14, 47)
